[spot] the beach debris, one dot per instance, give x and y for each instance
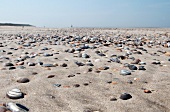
(15, 94)
(16, 107)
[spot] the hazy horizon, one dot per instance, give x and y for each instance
(89, 13)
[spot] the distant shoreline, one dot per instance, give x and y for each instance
(13, 24)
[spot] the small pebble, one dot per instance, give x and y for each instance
(71, 75)
(85, 84)
(79, 63)
(130, 82)
(125, 96)
(8, 64)
(21, 67)
(76, 85)
(156, 63)
(85, 55)
(103, 68)
(147, 91)
(125, 72)
(136, 61)
(31, 64)
(63, 65)
(66, 86)
(22, 80)
(113, 99)
(132, 67)
(12, 68)
(48, 65)
(57, 85)
(109, 82)
(142, 68)
(50, 76)
(34, 73)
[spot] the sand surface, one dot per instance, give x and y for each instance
(42, 95)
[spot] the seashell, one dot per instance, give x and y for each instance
(20, 63)
(15, 107)
(14, 94)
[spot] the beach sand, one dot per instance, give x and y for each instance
(95, 85)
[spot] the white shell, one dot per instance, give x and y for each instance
(14, 108)
(14, 93)
(97, 60)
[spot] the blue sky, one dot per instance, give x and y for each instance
(87, 13)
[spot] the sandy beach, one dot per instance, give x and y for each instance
(85, 69)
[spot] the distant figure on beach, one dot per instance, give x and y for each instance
(71, 26)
